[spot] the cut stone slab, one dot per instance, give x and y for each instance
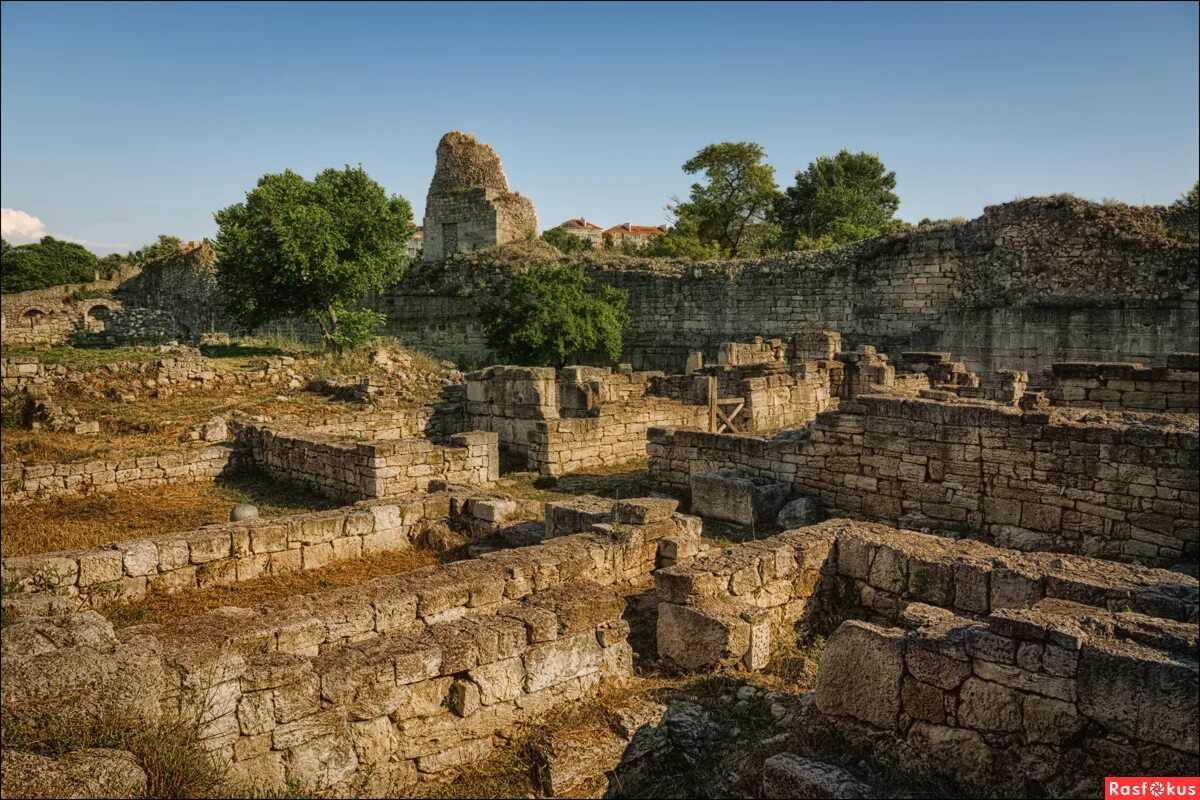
(799, 513)
(787, 775)
(733, 496)
(574, 760)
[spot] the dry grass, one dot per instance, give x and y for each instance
(153, 425)
(260, 591)
(623, 480)
(176, 765)
(513, 770)
(73, 523)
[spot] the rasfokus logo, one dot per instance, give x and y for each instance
(1151, 787)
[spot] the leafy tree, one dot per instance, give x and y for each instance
(301, 248)
(551, 315)
(679, 246)
(49, 262)
(566, 242)
(1190, 199)
(845, 197)
(733, 206)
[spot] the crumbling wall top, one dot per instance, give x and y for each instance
(464, 163)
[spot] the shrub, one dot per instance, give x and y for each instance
(551, 315)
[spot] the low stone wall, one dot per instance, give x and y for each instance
(725, 609)
(33, 482)
(1052, 695)
(368, 469)
(222, 555)
(787, 400)
(1174, 388)
(1032, 481)
(381, 713)
(616, 436)
(385, 682)
(722, 610)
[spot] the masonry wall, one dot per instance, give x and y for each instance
(223, 555)
(1053, 696)
(34, 482)
(728, 608)
(1026, 284)
(379, 684)
(373, 468)
(1025, 480)
(1174, 388)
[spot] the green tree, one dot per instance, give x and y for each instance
(48, 262)
(845, 198)
(551, 315)
(314, 249)
(566, 242)
(1190, 199)
(732, 207)
(678, 246)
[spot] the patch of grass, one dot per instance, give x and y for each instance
(73, 523)
(261, 591)
(84, 357)
(175, 764)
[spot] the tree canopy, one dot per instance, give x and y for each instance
(49, 262)
(1189, 199)
(313, 249)
(551, 314)
(732, 207)
(838, 199)
(565, 241)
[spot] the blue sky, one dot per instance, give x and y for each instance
(123, 121)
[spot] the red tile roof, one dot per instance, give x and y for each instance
(580, 222)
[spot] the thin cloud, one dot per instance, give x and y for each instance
(22, 227)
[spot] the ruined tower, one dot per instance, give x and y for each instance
(469, 204)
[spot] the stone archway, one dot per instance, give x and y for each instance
(32, 317)
(95, 318)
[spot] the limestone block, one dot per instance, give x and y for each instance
(789, 776)
(798, 513)
(989, 707)
(100, 566)
(141, 557)
(860, 673)
(734, 497)
(92, 772)
(561, 660)
(702, 638)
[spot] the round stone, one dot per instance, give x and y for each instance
(242, 512)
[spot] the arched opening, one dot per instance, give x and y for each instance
(33, 317)
(96, 318)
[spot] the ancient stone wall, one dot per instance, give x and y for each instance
(580, 417)
(380, 684)
(374, 468)
(728, 608)
(1174, 388)
(1055, 694)
(221, 555)
(1032, 481)
(30, 482)
(1026, 284)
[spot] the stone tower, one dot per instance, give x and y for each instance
(469, 204)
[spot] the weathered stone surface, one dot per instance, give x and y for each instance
(79, 774)
(702, 638)
(733, 496)
(860, 673)
(798, 513)
(574, 758)
(790, 776)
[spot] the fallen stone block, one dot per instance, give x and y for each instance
(787, 775)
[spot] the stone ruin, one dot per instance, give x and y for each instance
(1005, 581)
(469, 205)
